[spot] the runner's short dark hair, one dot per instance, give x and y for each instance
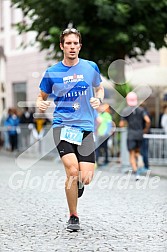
(70, 31)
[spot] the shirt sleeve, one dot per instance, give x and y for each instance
(45, 84)
(95, 73)
(97, 78)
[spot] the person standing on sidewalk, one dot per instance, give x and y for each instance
(76, 86)
(26, 125)
(103, 133)
(164, 120)
(134, 117)
(145, 144)
(164, 126)
(12, 124)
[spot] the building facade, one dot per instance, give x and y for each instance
(20, 68)
(2, 80)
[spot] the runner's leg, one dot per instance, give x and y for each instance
(86, 172)
(72, 170)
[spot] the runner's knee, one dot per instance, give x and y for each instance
(87, 178)
(72, 171)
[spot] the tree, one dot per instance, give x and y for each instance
(111, 29)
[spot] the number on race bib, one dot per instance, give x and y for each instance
(71, 135)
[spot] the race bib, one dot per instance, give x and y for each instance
(71, 135)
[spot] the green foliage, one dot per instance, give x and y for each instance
(123, 89)
(111, 29)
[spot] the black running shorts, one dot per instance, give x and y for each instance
(84, 152)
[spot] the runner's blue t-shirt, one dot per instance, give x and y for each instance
(71, 88)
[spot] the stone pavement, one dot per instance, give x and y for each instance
(159, 171)
(116, 212)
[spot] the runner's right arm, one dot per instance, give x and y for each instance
(42, 102)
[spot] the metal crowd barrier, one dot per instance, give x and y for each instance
(117, 144)
(157, 150)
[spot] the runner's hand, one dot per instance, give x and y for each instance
(43, 105)
(94, 102)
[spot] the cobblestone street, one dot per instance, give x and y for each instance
(116, 212)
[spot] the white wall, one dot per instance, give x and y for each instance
(25, 68)
(22, 65)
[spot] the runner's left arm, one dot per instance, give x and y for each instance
(99, 96)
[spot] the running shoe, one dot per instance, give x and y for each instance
(73, 223)
(80, 189)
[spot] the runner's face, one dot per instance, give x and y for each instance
(71, 46)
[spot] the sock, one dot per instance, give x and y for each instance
(75, 214)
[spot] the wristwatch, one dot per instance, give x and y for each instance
(100, 100)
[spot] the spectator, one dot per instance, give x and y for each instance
(134, 117)
(26, 117)
(145, 145)
(26, 125)
(39, 126)
(164, 119)
(5, 134)
(12, 123)
(164, 126)
(103, 132)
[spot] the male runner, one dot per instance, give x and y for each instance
(76, 86)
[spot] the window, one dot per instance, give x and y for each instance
(19, 93)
